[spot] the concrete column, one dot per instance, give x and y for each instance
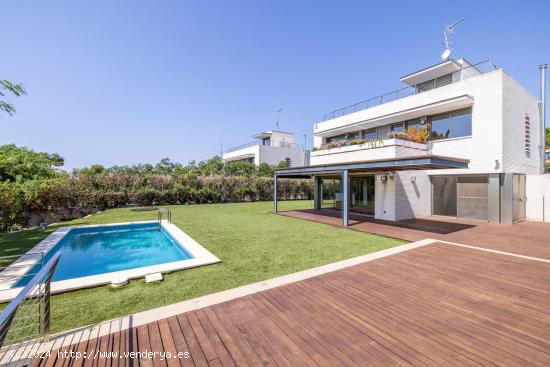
(345, 198)
(317, 194)
(275, 193)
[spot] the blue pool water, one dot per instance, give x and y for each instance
(98, 250)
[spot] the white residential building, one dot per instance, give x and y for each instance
(483, 157)
(269, 147)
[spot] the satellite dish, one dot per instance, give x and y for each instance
(445, 55)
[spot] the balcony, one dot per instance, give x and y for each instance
(457, 75)
(361, 150)
(270, 143)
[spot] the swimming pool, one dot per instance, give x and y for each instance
(92, 255)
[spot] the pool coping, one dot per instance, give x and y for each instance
(21, 266)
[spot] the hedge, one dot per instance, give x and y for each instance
(65, 198)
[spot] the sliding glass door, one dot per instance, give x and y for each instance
(331, 193)
(362, 195)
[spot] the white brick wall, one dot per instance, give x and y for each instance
(538, 194)
(401, 198)
(516, 102)
(384, 199)
(484, 147)
(412, 194)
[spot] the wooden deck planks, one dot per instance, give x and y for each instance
(524, 238)
(431, 306)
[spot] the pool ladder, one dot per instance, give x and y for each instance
(160, 215)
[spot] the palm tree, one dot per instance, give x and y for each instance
(15, 89)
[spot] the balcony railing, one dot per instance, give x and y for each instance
(271, 143)
(482, 67)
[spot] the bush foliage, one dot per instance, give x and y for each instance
(57, 195)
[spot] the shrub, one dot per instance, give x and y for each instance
(11, 207)
(62, 197)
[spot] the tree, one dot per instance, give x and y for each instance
(167, 167)
(211, 167)
(265, 170)
(240, 168)
(93, 170)
(282, 164)
(548, 137)
(15, 89)
(19, 164)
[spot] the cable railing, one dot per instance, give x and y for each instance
(271, 143)
(25, 322)
(461, 74)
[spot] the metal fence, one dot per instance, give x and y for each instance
(479, 68)
(25, 322)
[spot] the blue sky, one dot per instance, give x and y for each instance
(122, 82)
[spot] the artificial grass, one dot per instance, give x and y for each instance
(252, 243)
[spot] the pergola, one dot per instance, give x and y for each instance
(424, 162)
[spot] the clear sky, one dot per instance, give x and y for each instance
(122, 82)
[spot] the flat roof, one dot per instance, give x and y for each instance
(431, 72)
(267, 134)
(420, 162)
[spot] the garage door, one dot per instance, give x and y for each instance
(472, 195)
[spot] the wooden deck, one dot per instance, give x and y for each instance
(525, 238)
(438, 305)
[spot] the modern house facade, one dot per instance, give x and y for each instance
(269, 147)
(461, 140)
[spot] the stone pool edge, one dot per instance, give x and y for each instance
(21, 266)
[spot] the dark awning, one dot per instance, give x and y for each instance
(391, 164)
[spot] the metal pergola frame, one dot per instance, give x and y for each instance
(344, 169)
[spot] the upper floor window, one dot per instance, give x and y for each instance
(356, 135)
(451, 124)
(337, 138)
(434, 83)
(371, 134)
(266, 141)
(398, 128)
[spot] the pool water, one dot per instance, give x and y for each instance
(105, 249)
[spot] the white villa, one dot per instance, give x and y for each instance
(459, 140)
(270, 147)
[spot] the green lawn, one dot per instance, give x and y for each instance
(252, 243)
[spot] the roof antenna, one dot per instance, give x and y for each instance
(277, 119)
(449, 29)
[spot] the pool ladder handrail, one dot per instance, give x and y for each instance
(160, 215)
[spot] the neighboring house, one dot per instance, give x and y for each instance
(484, 137)
(269, 147)
(547, 155)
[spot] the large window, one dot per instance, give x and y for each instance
(398, 128)
(413, 124)
(447, 125)
(371, 134)
(452, 124)
(331, 193)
